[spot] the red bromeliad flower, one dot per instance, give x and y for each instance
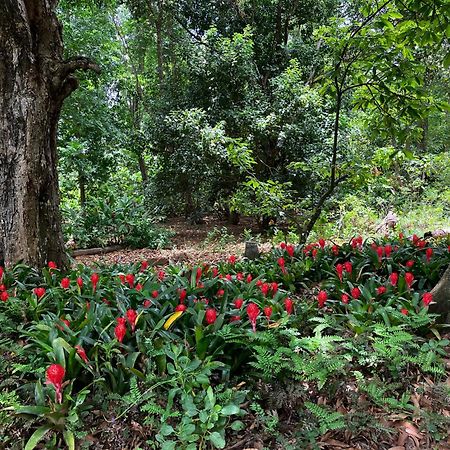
(322, 297)
(130, 280)
(228, 277)
(322, 243)
(232, 259)
(404, 311)
(357, 242)
(427, 298)
(215, 272)
(314, 252)
(356, 293)
(144, 266)
(393, 277)
(55, 375)
(409, 279)
(409, 263)
(345, 298)
(265, 288)
(283, 245)
(161, 275)
(198, 274)
(94, 281)
(65, 283)
(290, 249)
(381, 290)
(182, 295)
(65, 322)
(274, 287)
(52, 265)
(80, 282)
(238, 303)
(2, 271)
(39, 291)
(253, 312)
(415, 239)
(4, 296)
(335, 250)
(181, 307)
(429, 253)
(380, 251)
(289, 305)
(249, 278)
(132, 317)
(348, 267)
(139, 287)
(268, 312)
(121, 329)
(147, 303)
(401, 236)
(220, 293)
(155, 294)
(339, 270)
(210, 316)
(421, 244)
(235, 318)
(239, 276)
(82, 353)
(281, 263)
(387, 250)
(2, 287)
(122, 278)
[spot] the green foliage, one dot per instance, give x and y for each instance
(114, 220)
(182, 373)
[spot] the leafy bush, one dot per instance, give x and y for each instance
(124, 220)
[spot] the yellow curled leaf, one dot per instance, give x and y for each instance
(274, 325)
(172, 319)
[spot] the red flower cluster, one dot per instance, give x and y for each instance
(322, 297)
(55, 375)
(253, 312)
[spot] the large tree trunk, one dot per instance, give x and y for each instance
(441, 298)
(34, 81)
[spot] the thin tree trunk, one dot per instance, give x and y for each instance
(159, 44)
(34, 81)
(143, 168)
(82, 187)
(333, 181)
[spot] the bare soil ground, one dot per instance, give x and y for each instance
(209, 242)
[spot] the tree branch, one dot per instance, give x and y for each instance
(71, 65)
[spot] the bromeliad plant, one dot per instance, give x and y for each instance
(112, 325)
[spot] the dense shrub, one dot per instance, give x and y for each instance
(114, 220)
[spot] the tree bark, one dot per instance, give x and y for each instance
(441, 298)
(34, 81)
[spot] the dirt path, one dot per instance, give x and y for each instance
(209, 242)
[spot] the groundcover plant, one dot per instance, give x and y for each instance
(317, 343)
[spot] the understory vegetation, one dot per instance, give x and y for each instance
(310, 117)
(322, 343)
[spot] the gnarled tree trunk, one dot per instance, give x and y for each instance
(441, 297)
(34, 81)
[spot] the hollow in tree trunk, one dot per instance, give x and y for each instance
(34, 81)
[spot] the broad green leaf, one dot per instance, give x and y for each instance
(37, 436)
(217, 440)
